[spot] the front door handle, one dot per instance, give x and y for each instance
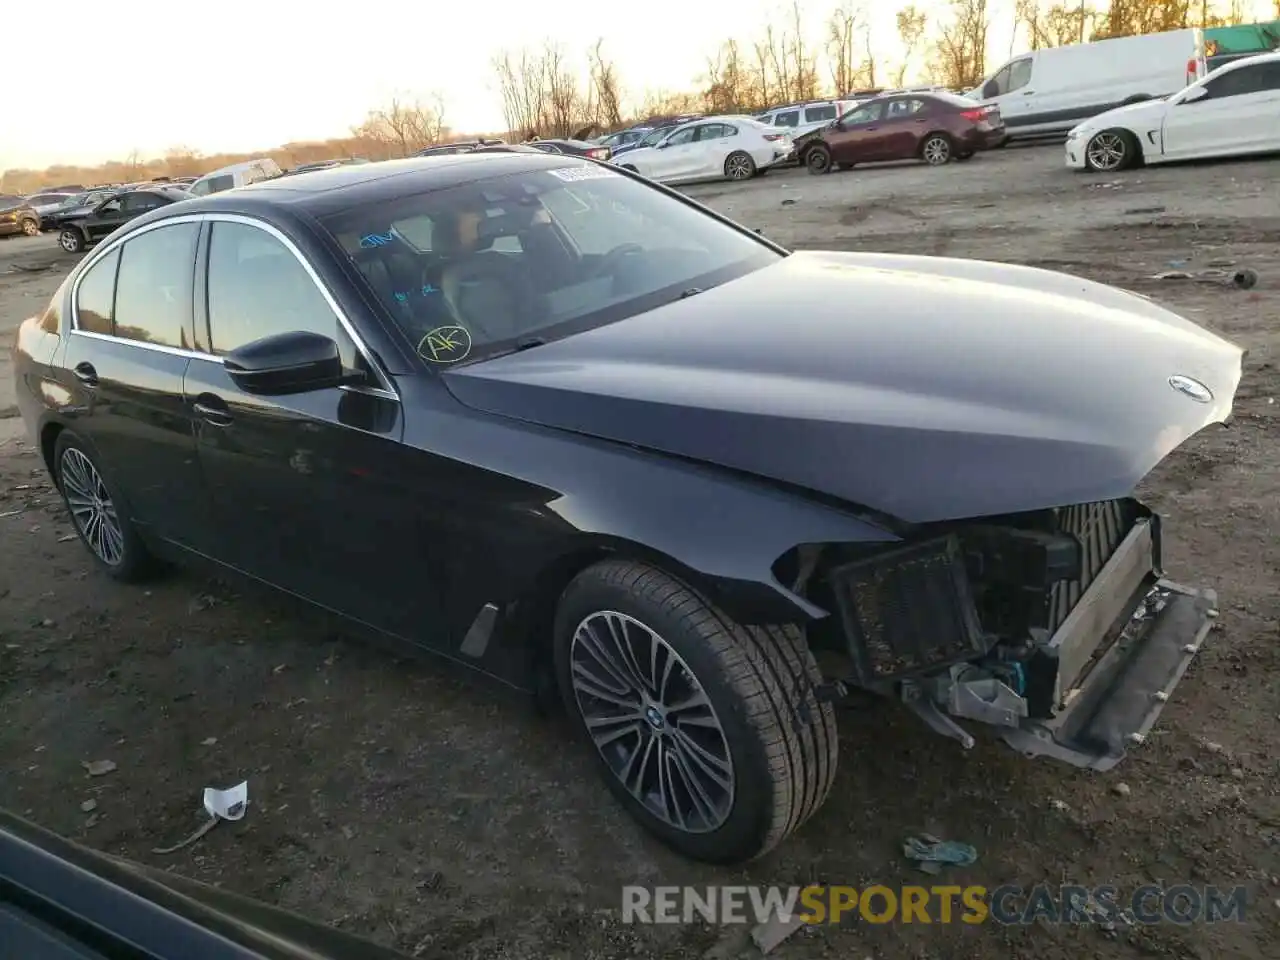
(86, 373)
(212, 410)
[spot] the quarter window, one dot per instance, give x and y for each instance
(153, 291)
(96, 294)
(258, 288)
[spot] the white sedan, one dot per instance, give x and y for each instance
(1234, 110)
(736, 148)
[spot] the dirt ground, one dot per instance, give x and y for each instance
(402, 803)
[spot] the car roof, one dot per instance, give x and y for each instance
(1270, 57)
(322, 192)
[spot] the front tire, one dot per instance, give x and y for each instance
(739, 166)
(817, 160)
(708, 732)
(1110, 151)
(72, 240)
(31, 227)
(99, 516)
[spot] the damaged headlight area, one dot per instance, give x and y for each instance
(1054, 626)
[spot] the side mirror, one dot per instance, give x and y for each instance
(294, 362)
(1194, 94)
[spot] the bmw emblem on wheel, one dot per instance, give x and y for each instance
(1188, 387)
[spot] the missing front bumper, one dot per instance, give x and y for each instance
(1117, 703)
(1097, 685)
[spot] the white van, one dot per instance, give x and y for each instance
(1050, 91)
(236, 175)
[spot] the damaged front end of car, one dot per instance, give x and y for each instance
(1056, 627)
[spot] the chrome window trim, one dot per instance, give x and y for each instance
(387, 389)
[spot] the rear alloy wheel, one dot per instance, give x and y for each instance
(1110, 150)
(31, 227)
(710, 733)
(97, 513)
(71, 240)
(936, 149)
(817, 160)
(739, 166)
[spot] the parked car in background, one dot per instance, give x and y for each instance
(654, 135)
(80, 233)
(934, 127)
(236, 175)
(1047, 92)
(42, 203)
(1234, 111)
(800, 118)
(733, 147)
(18, 217)
(573, 148)
(76, 207)
(456, 146)
(623, 137)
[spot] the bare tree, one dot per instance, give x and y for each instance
(608, 92)
(842, 29)
(182, 161)
(912, 23)
(729, 87)
(403, 127)
(961, 49)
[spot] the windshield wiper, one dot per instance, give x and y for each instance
(528, 343)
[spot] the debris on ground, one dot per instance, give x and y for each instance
(1240, 279)
(229, 804)
(773, 931)
(931, 854)
(89, 806)
(1121, 789)
(98, 768)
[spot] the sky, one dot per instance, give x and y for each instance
(256, 75)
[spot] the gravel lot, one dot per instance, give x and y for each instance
(400, 802)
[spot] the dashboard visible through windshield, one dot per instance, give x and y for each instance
(490, 265)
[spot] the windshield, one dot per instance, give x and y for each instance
(493, 264)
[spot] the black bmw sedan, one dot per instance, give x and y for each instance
(565, 426)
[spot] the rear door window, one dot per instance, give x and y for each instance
(153, 292)
(788, 118)
(96, 295)
(820, 114)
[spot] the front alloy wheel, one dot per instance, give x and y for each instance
(651, 721)
(31, 227)
(710, 733)
(1108, 151)
(71, 240)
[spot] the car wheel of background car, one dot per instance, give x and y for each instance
(818, 159)
(31, 227)
(739, 166)
(71, 240)
(1111, 150)
(936, 149)
(97, 512)
(710, 733)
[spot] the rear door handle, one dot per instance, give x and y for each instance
(212, 410)
(86, 373)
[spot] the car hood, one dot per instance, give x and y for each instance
(923, 388)
(1129, 115)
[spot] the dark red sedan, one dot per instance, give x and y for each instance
(934, 127)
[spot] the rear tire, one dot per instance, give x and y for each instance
(764, 748)
(817, 160)
(98, 513)
(937, 150)
(739, 166)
